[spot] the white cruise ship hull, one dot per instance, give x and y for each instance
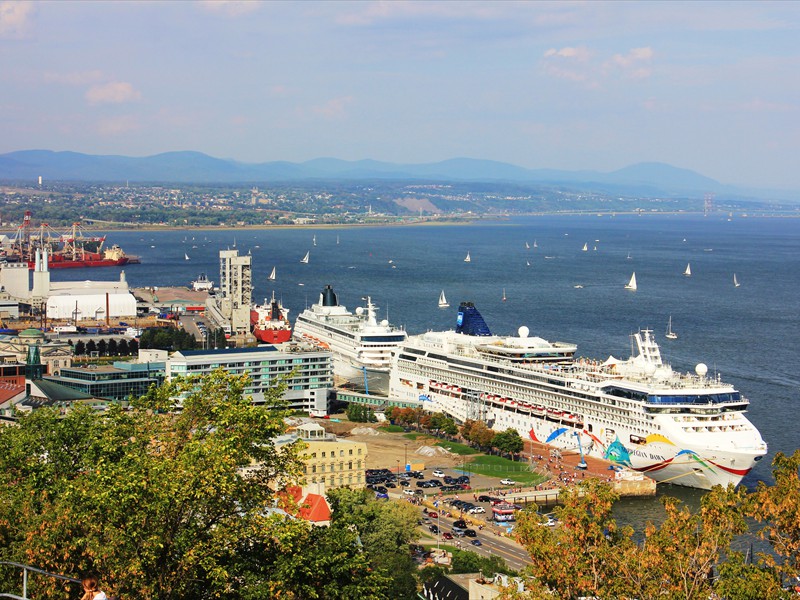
(684, 429)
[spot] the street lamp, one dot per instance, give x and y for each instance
(405, 456)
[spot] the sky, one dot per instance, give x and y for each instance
(708, 86)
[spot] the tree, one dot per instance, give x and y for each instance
(113, 347)
(778, 506)
(508, 442)
(102, 347)
(385, 530)
(164, 504)
(80, 348)
(91, 347)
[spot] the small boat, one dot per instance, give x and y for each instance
(337, 240)
(185, 256)
(688, 270)
(629, 256)
(578, 286)
(527, 263)
(202, 284)
(586, 247)
(535, 245)
(467, 259)
(527, 246)
(304, 260)
(443, 303)
(272, 275)
(670, 335)
(504, 294)
(314, 240)
(631, 285)
(735, 281)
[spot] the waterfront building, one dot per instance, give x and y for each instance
(55, 354)
(309, 371)
(328, 462)
(236, 290)
(116, 382)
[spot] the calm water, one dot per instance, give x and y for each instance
(747, 334)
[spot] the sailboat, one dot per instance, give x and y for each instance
(337, 240)
(185, 256)
(304, 260)
(527, 246)
(586, 247)
(670, 335)
(272, 275)
(629, 256)
(314, 240)
(504, 294)
(535, 245)
(631, 285)
(527, 263)
(688, 270)
(735, 281)
(443, 303)
(467, 259)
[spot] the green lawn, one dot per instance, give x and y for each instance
(456, 448)
(497, 466)
(414, 435)
(391, 428)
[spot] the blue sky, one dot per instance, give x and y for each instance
(713, 87)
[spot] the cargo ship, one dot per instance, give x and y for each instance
(270, 322)
(70, 250)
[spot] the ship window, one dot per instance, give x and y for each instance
(589, 428)
(635, 439)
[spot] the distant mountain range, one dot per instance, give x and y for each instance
(196, 167)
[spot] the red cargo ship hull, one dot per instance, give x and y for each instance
(62, 263)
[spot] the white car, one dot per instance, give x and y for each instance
(505, 481)
(408, 492)
(438, 473)
(476, 509)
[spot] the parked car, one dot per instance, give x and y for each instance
(476, 542)
(507, 481)
(476, 509)
(485, 498)
(404, 482)
(438, 473)
(382, 496)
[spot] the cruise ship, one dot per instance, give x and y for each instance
(684, 428)
(361, 346)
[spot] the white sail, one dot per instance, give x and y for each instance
(670, 335)
(185, 256)
(631, 285)
(304, 260)
(272, 275)
(735, 281)
(443, 300)
(688, 270)
(586, 247)
(467, 259)
(535, 245)
(527, 246)
(504, 294)
(314, 240)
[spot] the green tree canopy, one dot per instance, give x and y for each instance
(164, 504)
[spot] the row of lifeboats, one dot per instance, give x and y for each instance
(316, 341)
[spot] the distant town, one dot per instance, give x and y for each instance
(106, 206)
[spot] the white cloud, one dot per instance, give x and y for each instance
(579, 53)
(115, 92)
(75, 78)
(634, 64)
(230, 8)
(14, 16)
(335, 108)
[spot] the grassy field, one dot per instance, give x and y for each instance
(391, 428)
(497, 466)
(456, 448)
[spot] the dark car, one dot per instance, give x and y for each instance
(463, 479)
(470, 533)
(391, 484)
(381, 490)
(476, 542)
(422, 484)
(433, 528)
(460, 523)
(485, 498)
(404, 483)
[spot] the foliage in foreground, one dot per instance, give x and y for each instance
(688, 557)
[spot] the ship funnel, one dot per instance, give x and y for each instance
(329, 297)
(470, 321)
